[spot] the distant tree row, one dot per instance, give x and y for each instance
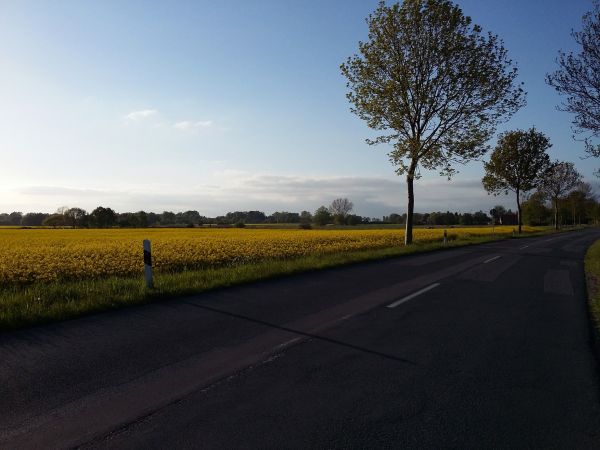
(442, 218)
(579, 206)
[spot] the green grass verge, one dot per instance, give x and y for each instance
(41, 303)
(592, 276)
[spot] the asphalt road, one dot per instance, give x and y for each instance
(479, 347)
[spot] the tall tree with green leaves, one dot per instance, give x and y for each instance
(433, 85)
(561, 179)
(578, 78)
(517, 164)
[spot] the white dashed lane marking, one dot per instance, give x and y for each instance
(413, 295)
(492, 259)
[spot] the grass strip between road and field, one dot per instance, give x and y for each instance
(23, 306)
(592, 276)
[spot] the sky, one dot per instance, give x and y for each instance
(218, 106)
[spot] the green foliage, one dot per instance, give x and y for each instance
(33, 219)
(54, 220)
(322, 216)
(306, 217)
(102, 217)
(518, 162)
(353, 219)
(434, 79)
(535, 211)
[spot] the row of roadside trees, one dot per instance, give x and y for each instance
(520, 163)
(434, 86)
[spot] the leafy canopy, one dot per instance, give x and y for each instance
(560, 179)
(518, 162)
(433, 82)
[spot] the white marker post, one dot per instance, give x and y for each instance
(148, 264)
(445, 237)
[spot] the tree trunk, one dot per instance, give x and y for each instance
(408, 235)
(556, 214)
(519, 210)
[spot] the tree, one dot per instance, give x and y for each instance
(15, 218)
(54, 220)
(168, 218)
(283, 217)
(466, 219)
(340, 208)
(255, 217)
(33, 219)
(517, 164)
(103, 217)
(185, 218)
(306, 217)
(535, 211)
(434, 84)
(500, 210)
(75, 217)
(322, 216)
(558, 181)
(578, 77)
(578, 201)
(480, 218)
(353, 219)
(395, 218)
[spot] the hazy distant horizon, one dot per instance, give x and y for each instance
(372, 197)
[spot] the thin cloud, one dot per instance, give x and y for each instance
(188, 125)
(141, 114)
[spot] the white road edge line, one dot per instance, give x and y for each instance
(492, 259)
(287, 343)
(413, 295)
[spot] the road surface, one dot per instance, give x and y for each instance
(482, 346)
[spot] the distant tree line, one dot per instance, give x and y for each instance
(577, 207)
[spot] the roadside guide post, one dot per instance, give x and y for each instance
(493, 213)
(148, 264)
(445, 237)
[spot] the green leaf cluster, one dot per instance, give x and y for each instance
(518, 163)
(433, 83)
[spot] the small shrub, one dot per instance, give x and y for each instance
(239, 225)
(305, 226)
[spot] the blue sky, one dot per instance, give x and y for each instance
(224, 105)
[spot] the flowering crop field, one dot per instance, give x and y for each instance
(52, 255)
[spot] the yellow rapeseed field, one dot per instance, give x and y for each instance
(48, 255)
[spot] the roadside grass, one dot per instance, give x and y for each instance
(23, 306)
(592, 276)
